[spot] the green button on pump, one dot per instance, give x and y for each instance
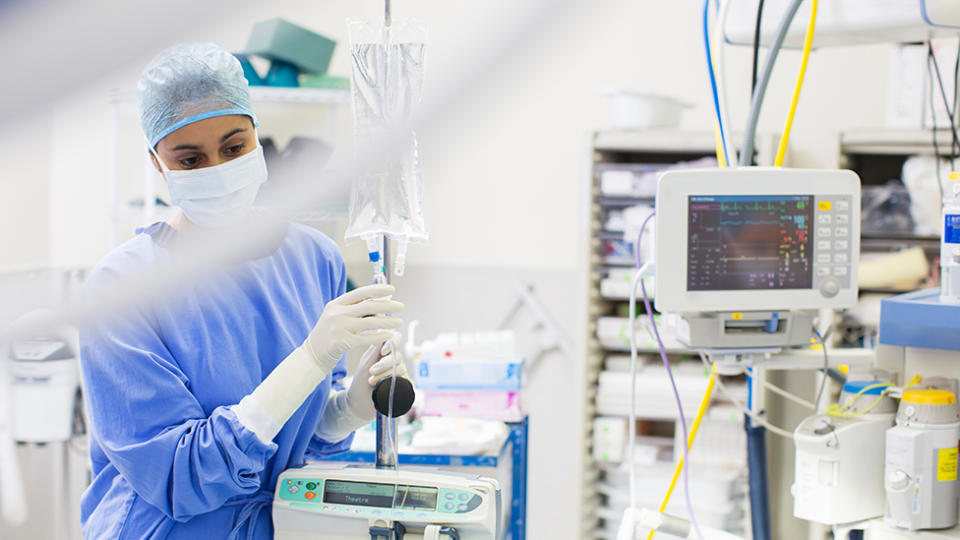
(311, 485)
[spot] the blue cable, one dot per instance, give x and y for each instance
(713, 79)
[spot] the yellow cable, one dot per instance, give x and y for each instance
(840, 412)
(807, 45)
(705, 402)
(718, 140)
(704, 405)
(717, 137)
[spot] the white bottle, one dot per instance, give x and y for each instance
(950, 242)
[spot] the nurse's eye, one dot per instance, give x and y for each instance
(234, 150)
(189, 162)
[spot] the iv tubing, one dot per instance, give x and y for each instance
(807, 45)
(796, 399)
(638, 277)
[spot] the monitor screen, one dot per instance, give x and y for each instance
(380, 495)
(758, 242)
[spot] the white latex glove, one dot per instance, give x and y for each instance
(353, 319)
(376, 364)
(348, 410)
(357, 318)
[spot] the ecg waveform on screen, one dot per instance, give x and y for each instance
(752, 244)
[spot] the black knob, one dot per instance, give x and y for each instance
(403, 395)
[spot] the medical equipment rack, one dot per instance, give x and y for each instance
(514, 451)
(644, 152)
(877, 156)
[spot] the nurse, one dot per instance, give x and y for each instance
(199, 401)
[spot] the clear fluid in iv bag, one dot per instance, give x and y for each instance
(386, 85)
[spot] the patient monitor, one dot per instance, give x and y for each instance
(753, 246)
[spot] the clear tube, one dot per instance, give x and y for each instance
(377, 255)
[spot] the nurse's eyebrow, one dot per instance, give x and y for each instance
(185, 147)
(231, 134)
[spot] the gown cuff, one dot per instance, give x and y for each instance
(273, 402)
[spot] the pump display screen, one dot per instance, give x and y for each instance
(758, 242)
(380, 495)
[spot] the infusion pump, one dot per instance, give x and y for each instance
(342, 502)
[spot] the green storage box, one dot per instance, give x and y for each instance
(277, 39)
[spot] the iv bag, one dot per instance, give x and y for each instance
(387, 79)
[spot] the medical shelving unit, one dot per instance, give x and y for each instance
(877, 156)
(638, 151)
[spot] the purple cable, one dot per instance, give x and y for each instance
(673, 383)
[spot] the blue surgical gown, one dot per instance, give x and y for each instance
(170, 459)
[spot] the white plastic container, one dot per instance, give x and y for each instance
(920, 473)
(44, 381)
(484, 405)
(433, 373)
(640, 110)
(838, 476)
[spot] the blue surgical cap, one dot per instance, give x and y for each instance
(188, 83)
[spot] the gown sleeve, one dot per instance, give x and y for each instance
(154, 431)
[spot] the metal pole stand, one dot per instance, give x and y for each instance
(386, 433)
(386, 427)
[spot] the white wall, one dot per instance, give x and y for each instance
(503, 171)
(25, 193)
(516, 141)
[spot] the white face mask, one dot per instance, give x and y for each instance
(220, 195)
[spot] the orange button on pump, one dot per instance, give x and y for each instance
(309, 495)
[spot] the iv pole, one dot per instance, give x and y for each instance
(386, 427)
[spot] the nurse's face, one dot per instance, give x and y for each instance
(207, 143)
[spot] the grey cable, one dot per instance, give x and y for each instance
(750, 135)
